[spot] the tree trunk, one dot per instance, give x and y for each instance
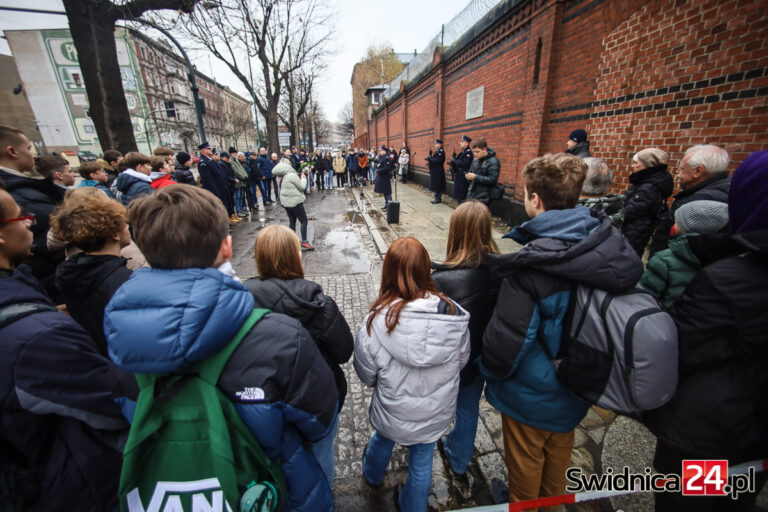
(270, 117)
(93, 33)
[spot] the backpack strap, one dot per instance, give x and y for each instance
(13, 312)
(210, 369)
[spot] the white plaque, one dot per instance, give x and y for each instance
(475, 102)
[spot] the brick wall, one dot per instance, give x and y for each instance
(633, 73)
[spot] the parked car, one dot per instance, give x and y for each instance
(86, 156)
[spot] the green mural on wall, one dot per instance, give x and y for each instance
(63, 56)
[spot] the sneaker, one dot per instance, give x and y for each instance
(307, 246)
(242, 214)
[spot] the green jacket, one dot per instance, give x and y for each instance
(669, 271)
(291, 185)
(240, 174)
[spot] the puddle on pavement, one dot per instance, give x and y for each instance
(344, 247)
(353, 217)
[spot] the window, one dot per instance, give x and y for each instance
(170, 109)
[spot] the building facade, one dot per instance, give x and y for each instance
(157, 91)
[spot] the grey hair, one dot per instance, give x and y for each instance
(274, 155)
(599, 177)
(239, 153)
(712, 158)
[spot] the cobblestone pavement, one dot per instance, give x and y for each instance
(347, 263)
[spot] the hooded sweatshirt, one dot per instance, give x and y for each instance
(414, 370)
(87, 283)
(131, 184)
(563, 247)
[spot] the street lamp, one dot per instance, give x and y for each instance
(190, 69)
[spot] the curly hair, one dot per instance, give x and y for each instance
(88, 220)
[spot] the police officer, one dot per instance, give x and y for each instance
(213, 178)
(384, 167)
(435, 160)
(461, 164)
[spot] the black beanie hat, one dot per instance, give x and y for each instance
(183, 157)
(578, 135)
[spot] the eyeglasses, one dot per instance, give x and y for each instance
(30, 218)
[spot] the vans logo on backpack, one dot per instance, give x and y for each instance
(250, 395)
(200, 495)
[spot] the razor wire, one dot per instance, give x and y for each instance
(449, 33)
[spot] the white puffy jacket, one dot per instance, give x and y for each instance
(414, 370)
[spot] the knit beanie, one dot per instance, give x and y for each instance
(651, 157)
(578, 135)
(748, 194)
(183, 157)
(703, 217)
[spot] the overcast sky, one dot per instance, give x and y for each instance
(405, 24)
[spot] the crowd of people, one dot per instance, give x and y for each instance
(127, 276)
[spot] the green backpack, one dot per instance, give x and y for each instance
(188, 449)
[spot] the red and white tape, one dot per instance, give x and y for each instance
(579, 497)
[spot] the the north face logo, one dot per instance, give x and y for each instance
(198, 496)
(250, 394)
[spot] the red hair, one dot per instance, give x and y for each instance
(405, 277)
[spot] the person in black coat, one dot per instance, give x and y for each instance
(212, 177)
(88, 280)
(435, 162)
(34, 195)
(182, 172)
(465, 278)
(61, 429)
(484, 172)
(384, 168)
(720, 410)
(702, 176)
(578, 145)
(461, 164)
(281, 287)
(646, 198)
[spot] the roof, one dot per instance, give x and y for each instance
(376, 88)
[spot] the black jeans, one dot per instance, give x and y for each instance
(297, 212)
(340, 179)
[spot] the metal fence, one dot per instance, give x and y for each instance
(449, 34)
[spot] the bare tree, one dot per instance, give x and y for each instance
(380, 65)
(346, 119)
(92, 25)
(263, 31)
(293, 104)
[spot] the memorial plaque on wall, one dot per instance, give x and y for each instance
(475, 102)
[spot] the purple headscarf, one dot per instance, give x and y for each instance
(748, 194)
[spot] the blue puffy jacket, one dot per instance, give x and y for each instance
(563, 247)
(265, 166)
(198, 313)
(130, 184)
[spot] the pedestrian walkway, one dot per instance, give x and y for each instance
(426, 221)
